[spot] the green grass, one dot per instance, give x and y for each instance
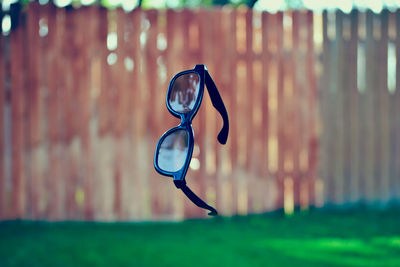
(318, 238)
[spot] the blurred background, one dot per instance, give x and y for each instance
(310, 87)
(310, 175)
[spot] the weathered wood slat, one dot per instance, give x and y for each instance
(369, 112)
(247, 112)
(313, 139)
(151, 55)
(361, 81)
(227, 181)
(353, 174)
(119, 103)
(54, 105)
(18, 112)
(330, 119)
(280, 115)
(265, 122)
(347, 104)
(34, 105)
(339, 95)
(375, 107)
(298, 112)
(395, 104)
(384, 125)
(336, 115)
(139, 190)
(324, 166)
(3, 199)
(271, 46)
(214, 164)
(233, 110)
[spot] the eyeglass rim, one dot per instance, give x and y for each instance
(188, 116)
(179, 174)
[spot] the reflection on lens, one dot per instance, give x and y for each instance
(184, 92)
(173, 151)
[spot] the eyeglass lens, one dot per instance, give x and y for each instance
(173, 151)
(184, 92)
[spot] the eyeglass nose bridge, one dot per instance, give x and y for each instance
(186, 121)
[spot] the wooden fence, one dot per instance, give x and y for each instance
(360, 108)
(313, 118)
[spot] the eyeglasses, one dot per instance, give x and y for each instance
(175, 147)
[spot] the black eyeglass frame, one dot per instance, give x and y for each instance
(186, 124)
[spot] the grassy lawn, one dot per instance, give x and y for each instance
(318, 238)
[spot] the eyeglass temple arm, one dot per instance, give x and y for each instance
(194, 198)
(218, 104)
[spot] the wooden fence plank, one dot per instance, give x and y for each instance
(257, 163)
(285, 114)
(395, 118)
(298, 113)
(3, 204)
(352, 191)
(104, 154)
(362, 122)
(339, 103)
(241, 99)
(340, 93)
(384, 126)
(391, 87)
(17, 78)
(227, 86)
(120, 113)
(248, 111)
(331, 120)
(345, 89)
(91, 97)
(55, 110)
(35, 174)
(376, 91)
(70, 129)
(83, 195)
(312, 142)
(346, 92)
(213, 161)
(271, 49)
(124, 164)
(265, 61)
(303, 108)
(151, 54)
(78, 142)
(369, 111)
(280, 112)
(324, 167)
(139, 194)
(234, 108)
